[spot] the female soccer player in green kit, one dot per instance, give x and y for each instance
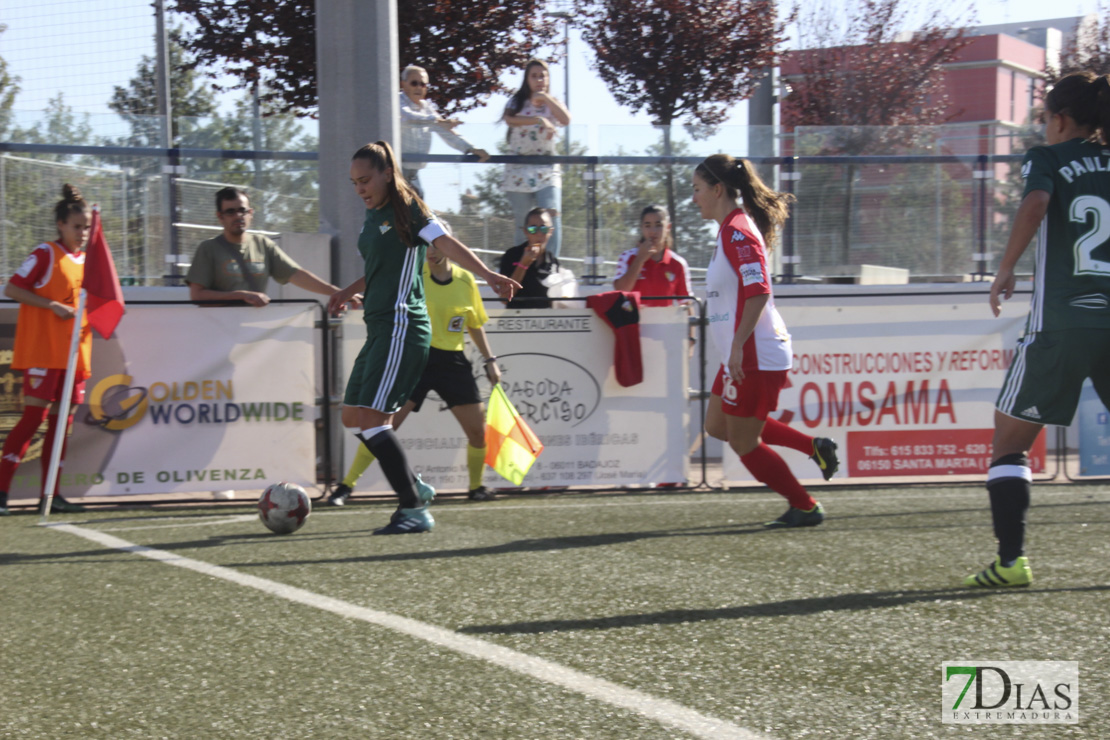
(393, 242)
(1067, 334)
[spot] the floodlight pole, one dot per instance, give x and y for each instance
(165, 110)
(565, 17)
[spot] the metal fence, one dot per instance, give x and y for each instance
(925, 203)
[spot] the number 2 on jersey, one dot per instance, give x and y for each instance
(1083, 208)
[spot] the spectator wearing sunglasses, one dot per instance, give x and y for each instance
(236, 265)
(530, 264)
(419, 118)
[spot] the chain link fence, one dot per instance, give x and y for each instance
(914, 199)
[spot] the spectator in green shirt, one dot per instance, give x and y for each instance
(236, 265)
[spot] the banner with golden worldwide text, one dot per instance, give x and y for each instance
(185, 399)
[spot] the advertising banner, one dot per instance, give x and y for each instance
(185, 399)
(1094, 434)
(905, 384)
(557, 367)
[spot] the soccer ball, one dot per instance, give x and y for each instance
(284, 507)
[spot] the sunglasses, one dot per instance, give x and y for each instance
(236, 211)
(538, 229)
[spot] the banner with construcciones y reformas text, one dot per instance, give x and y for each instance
(185, 399)
(905, 384)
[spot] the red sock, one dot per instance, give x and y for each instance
(15, 446)
(780, 435)
(48, 448)
(772, 471)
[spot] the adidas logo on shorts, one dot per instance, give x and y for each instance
(1031, 412)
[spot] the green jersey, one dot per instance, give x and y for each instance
(1071, 282)
(394, 298)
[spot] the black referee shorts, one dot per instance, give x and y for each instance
(451, 376)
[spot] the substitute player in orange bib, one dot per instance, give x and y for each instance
(750, 337)
(46, 286)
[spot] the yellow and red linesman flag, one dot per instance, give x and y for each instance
(104, 305)
(511, 447)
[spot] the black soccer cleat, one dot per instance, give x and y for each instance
(798, 518)
(340, 495)
(481, 493)
(824, 454)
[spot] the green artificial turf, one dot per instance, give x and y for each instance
(837, 631)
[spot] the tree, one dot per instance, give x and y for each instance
(137, 102)
(9, 88)
(465, 46)
(866, 76)
(1089, 49)
(676, 58)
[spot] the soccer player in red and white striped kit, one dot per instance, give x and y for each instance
(750, 336)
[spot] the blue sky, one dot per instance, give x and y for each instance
(102, 41)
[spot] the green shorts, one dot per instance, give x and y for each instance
(385, 373)
(1046, 375)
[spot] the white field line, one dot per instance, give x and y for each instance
(702, 500)
(207, 522)
(660, 710)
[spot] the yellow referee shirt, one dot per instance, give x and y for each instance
(453, 308)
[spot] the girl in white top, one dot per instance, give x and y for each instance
(533, 115)
(749, 335)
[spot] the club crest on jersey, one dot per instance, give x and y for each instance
(385, 227)
(669, 276)
(456, 324)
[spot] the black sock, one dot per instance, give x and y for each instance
(395, 465)
(1008, 483)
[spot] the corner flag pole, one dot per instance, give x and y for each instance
(63, 409)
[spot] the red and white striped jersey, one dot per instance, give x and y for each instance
(737, 272)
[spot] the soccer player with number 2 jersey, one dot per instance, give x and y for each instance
(750, 336)
(1066, 206)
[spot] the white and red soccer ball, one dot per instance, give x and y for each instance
(284, 507)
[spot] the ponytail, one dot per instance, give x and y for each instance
(1085, 98)
(768, 208)
(71, 203)
(401, 194)
(1102, 107)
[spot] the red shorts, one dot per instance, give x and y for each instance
(46, 384)
(755, 397)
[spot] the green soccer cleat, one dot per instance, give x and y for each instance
(824, 454)
(798, 518)
(996, 576)
(424, 491)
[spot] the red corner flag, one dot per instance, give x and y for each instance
(105, 297)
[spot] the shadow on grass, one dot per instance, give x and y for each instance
(787, 608)
(535, 544)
